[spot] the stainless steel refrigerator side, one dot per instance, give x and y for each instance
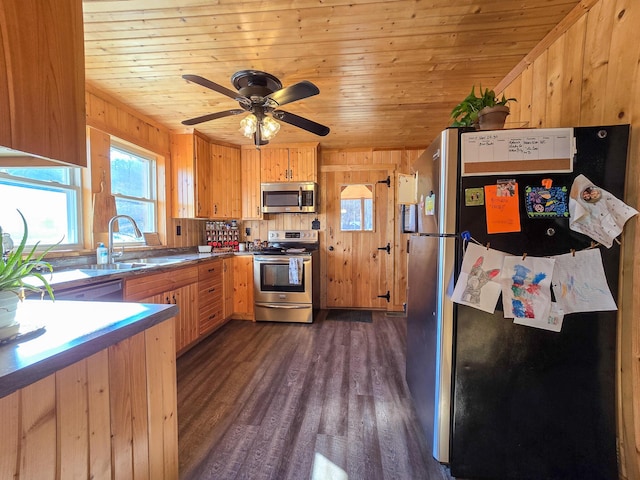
(446, 209)
(421, 296)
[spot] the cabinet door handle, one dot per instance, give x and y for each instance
(212, 290)
(212, 316)
(175, 302)
(212, 270)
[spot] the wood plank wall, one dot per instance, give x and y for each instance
(107, 114)
(589, 74)
(111, 415)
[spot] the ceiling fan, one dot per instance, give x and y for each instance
(261, 94)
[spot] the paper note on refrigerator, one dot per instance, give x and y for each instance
(526, 283)
(579, 283)
(478, 284)
(503, 212)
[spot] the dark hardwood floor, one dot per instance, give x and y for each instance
(325, 401)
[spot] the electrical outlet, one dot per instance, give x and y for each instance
(247, 231)
(178, 230)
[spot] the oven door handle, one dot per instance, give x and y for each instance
(275, 261)
(281, 305)
(300, 198)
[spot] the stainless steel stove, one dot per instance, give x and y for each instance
(286, 286)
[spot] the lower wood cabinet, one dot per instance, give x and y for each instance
(210, 296)
(228, 287)
(243, 287)
(178, 286)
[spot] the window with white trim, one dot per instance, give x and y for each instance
(133, 184)
(50, 200)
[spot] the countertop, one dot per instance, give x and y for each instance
(74, 277)
(72, 331)
(75, 330)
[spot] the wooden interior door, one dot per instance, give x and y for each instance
(359, 271)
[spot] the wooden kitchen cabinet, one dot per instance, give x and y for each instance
(243, 287)
(210, 296)
(226, 195)
(192, 175)
(177, 286)
(250, 181)
(294, 163)
(228, 287)
(42, 85)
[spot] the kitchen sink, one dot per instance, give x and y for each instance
(115, 266)
(152, 261)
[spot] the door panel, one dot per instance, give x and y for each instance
(357, 272)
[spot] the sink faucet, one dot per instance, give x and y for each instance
(111, 222)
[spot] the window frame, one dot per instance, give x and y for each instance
(152, 175)
(74, 213)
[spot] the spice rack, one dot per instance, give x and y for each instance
(223, 236)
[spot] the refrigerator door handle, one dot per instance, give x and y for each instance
(440, 235)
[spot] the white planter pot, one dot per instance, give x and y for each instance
(8, 308)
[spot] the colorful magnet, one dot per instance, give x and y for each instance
(542, 202)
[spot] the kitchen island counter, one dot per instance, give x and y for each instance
(92, 395)
(70, 331)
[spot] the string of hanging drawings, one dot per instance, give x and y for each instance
(577, 278)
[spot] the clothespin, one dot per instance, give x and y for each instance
(524, 255)
(617, 241)
(488, 245)
(573, 252)
(546, 183)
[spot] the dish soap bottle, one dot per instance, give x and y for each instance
(102, 254)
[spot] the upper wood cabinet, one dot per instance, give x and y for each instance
(42, 85)
(250, 178)
(293, 163)
(191, 175)
(225, 182)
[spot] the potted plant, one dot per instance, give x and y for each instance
(14, 269)
(486, 112)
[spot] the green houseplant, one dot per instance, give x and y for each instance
(15, 267)
(473, 109)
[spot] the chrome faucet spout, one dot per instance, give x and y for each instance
(136, 230)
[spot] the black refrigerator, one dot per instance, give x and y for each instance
(495, 399)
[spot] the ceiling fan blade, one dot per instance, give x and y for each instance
(301, 122)
(212, 116)
(294, 92)
(213, 86)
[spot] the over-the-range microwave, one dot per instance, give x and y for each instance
(289, 197)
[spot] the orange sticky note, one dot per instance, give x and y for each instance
(503, 213)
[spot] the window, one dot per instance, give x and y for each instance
(133, 184)
(49, 199)
(356, 208)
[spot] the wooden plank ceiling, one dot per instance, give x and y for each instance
(389, 72)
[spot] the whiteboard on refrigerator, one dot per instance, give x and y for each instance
(544, 150)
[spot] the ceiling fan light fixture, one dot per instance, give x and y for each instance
(269, 128)
(248, 125)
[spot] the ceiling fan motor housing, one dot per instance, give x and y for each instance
(254, 83)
